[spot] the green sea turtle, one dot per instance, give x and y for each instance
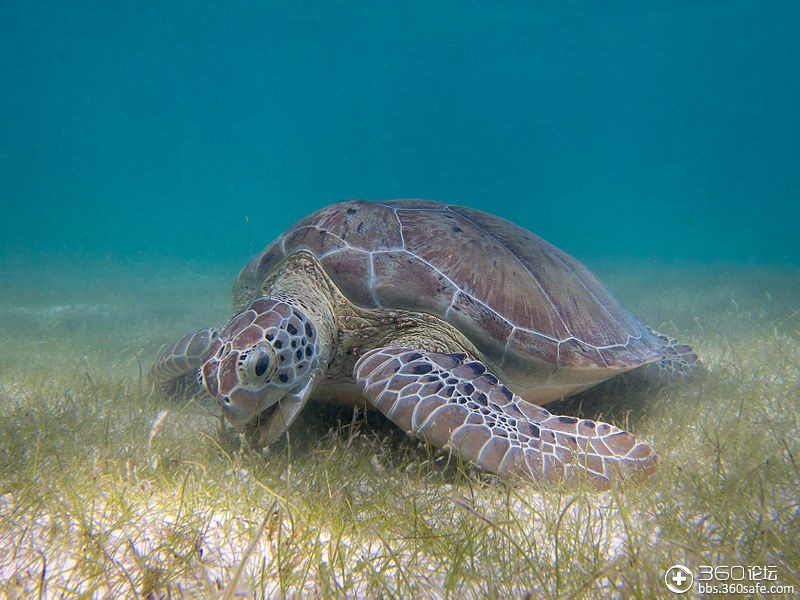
(453, 323)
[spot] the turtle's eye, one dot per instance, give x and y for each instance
(262, 364)
(257, 366)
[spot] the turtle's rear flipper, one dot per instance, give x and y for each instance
(678, 361)
(450, 401)
(177, 364)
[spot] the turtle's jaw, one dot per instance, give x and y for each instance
(276, 419)
(274, 408)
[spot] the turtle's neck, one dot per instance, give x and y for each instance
(300, 281)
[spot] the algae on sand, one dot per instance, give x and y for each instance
(104, 493)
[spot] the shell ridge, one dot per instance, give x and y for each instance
(329, 232)
(524, 266)
(458, 288)
(579, 276)
(399, 227)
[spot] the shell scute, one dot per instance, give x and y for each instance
(358, 224)
(404, 281)
(479, 322)
(319, 241)
(347, 268)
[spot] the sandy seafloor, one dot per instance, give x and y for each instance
(107, 319)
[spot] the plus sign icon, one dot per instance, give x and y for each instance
(679, 579)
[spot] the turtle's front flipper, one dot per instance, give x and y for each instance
(450, 401)
(175, 363)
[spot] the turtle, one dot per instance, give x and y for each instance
(454, 323)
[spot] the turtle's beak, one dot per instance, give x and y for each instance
(241, 406)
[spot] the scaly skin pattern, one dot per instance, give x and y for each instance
(451, 401)
(259, 357)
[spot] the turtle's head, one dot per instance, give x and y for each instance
(268, 351)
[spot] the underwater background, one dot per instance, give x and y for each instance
(664, 130)
(149, 149)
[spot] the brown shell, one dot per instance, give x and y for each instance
(528, 306)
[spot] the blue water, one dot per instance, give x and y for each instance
(657, 130)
